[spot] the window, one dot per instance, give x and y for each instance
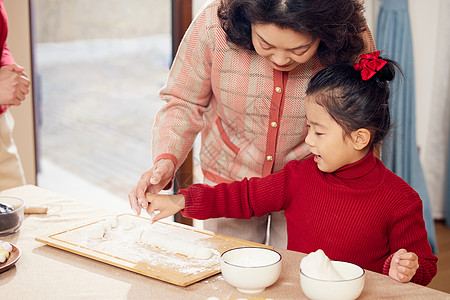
(99, 66)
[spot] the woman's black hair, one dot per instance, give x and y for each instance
(352, 102)
(337, 23)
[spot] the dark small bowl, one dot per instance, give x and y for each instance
(11, 214)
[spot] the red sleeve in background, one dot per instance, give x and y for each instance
(6, 56)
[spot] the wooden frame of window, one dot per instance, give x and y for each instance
(181, 18)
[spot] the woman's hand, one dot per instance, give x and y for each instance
(403, 265)
(14, 85)
(167, 205)
(152, 181)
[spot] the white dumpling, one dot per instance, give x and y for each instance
(112, 221)
(105, 225)
(203, 253)
(95, 231)
(128, 225)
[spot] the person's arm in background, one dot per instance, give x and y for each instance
(14, 85)
(14, 82)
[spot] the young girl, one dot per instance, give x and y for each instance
(342, 200)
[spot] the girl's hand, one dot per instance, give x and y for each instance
(167, 205)
(403, 265)
(152, 181)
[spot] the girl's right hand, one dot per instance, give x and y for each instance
(166, 205)
(404, 265)
(152, 181)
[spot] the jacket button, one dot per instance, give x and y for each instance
(274, 124)
(278, 89)
(269, 157)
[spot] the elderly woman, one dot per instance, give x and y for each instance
(239, 79)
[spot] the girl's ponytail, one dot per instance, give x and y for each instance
(357, 96)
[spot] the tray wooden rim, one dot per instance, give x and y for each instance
(140, 268)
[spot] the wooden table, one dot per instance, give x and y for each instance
(44, 272)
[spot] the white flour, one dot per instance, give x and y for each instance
(122, 242)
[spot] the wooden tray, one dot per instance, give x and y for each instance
(120, 247)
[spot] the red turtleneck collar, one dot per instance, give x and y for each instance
(363, 174)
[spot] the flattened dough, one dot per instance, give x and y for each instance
(95, 231)
(172, 244)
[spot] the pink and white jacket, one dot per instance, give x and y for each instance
(250, 116)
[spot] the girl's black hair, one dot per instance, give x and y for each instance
(337, 23)
(355, 103)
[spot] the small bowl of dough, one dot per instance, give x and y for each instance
(323, 279)
(11, 214)
(250, 269)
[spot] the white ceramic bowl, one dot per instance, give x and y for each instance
(347, 289)
(11, 214)
(250, 269)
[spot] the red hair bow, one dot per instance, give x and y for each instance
(369, 64)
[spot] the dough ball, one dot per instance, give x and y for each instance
(203, 253)
(112, 221)
(128, 225)
(105, 225)
(96, 231)
(186, 249)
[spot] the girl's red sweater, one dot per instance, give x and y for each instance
(362, 213)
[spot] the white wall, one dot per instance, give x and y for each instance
(424, 18)
(424, 31)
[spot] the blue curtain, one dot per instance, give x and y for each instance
(400, 153)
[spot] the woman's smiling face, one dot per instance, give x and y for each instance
(285, 49)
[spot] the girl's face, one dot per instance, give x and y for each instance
(332, 148)
(285, 49)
